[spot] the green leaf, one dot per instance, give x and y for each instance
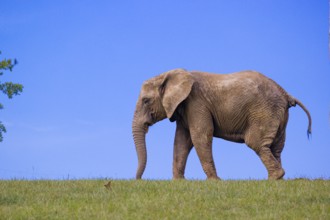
(2, 129)
(7, 64)
(11, 89)
(8, 88)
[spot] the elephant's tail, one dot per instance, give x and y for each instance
(292, 102)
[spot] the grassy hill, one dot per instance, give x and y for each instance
(129, 199)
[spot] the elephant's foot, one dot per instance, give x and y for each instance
(276, 175)
(179, 178)
(213, 178)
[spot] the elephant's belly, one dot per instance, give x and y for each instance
(229, 136)
(230, 128)
(233, 138)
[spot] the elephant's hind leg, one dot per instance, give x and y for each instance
(274, 168)
(260, 139)
(277, 146)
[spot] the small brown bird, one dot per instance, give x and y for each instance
(108, 185)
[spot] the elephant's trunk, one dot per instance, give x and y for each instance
(139, 135)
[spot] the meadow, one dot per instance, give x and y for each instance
(151, 199)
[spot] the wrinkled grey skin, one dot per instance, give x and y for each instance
(244, 107)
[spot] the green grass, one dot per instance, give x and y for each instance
(89, 199)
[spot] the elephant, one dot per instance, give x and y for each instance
(243, 107)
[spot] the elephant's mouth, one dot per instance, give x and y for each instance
(151, 120)
(148, 124)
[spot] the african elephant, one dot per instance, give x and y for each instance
(244, 107)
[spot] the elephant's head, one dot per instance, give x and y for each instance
(158, 99)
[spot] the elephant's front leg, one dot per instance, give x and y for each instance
(201, 130)
(182, 147)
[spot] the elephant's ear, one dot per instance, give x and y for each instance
(175, 88)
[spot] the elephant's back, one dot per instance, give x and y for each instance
(238, 85)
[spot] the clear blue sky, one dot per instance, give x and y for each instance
(83, 62)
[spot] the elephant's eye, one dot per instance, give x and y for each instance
(146, 101)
